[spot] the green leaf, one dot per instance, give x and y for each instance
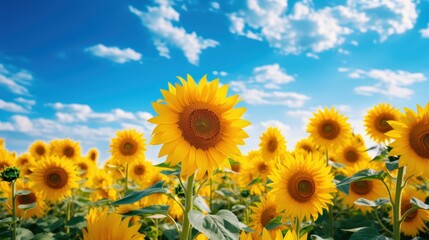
(316, 237)
(27, 206)
(274, 223)
(24, 234)
(357, 221)
(392, 165)
(137, 195)
(7, 220)
(379, 158)
(335, 164)
(2, 200)
(44, 236)
(371, 148)
(367, 174)
(378, 202)
(244, 227)
(368, 234)
(171, 172)
(419, 204)
(201, 204)
(222, 226)
(154, 209)
(22, 192)
(157, 216)
(78, 222)
(237, 207)
(254, 181)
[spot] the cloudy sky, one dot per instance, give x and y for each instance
(83, 70)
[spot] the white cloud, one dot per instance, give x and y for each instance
(220, 73)
(312, 55)
(425, 32)
(11, 107)
(215, 5)
(15, 82)
(391, 83)
(29, 102)
(284, 129)
(354, 43)
(159, 20)
(271, 75)
(114, 54)
(6, 126)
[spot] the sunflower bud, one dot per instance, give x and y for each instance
(10, 174)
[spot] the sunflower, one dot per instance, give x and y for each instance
(411, 140)
(376, 121)
(2, 143)
(6, 159)
(368, 189)
(352, 152)
(262, 214)
(272, 144)
(25, 162)
(93, 154)
(54, 178)
(66, 148)
(305, 145)
(198, 126)
(415, 222)
(259, 166)
(104, 225)
(128, 146)
(85, 167)
(141, 172)
(114, 168)
(303, 187)
(40, 208)
(39, 149)
(328, 128)
(129, 207)
(290, 235)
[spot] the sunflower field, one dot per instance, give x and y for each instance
(328, 187)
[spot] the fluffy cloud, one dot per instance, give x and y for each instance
(272, 76)
(306, 29)
(159, 21)
(11, 107)
(114, 54)
(425, 32)
(220, 73)
(16, 82)
(391, 83)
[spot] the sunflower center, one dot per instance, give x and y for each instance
(26, 199)
(412, 214)
(329, 130)
(235, 167)
(40, 150)
(419, 139)
(301, 187)
(361, 187)
(92, 156)
(128, 148)
(24, 161)
(272, 145)
(83, 166)
(68, 151)
(267, 215)
(200, 126)
(381, 123)
(306, 148)
(351, 156)
(263, 167)
(56, 178)
(139, 170)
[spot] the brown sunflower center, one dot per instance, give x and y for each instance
(263, 167)
(306, 148)
(361, 187)
(24, 161)
(200, 126)
(272, 145)
(56, 177)
(128, 148)
(139, 170)
(3, 165)
(68, 151)
(301, 187)
(83, 166)
(40, 150)
(419, 139)
(268, 215)
(93, 156)
(26, 199)
(329, 130)
(381, 123)
(412, 215)
(235, 167)
(351, 155)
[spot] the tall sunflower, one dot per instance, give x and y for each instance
(33, 197)
(272, 144)
(66, 148)
(141, 171)
(128, 146)
(198, 126)
(54, 178)
(352, 152)
(376, 121)
(303, 187)
(411, 140)
(104, 225)
(328, 128)
(262, 214)
(39, 149)
(93, 154)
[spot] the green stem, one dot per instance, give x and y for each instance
(404, 216)
(13, 211)
(68, 216)
(297, 227)
(189, 194)
(381, 223)
(211, 194)
(331, 207)
(126, 180)
(157, 228)
(397, 205)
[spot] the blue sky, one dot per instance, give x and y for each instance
(84, 70)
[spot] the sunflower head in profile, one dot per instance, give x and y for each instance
(303, 186)
(25, 161)
(93, 154)
(272, 144)
(411, 140)
(54, 178)
(66, 148)
(352, 152)
(128, 146)
(328, 128)
(198, 126)
(262, 213)
(141, 172)
(305, 145)
(6, 159)
(376, 121)
(39, 149)
(33, 197)
(104, 225)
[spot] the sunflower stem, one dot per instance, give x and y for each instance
(397, 205)
(189, 195)
(156, 229)
(331, 207)
(211, 194)
(297, 226)
(13, 210)
(126, 180)
(381, 222)
(68, 216)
